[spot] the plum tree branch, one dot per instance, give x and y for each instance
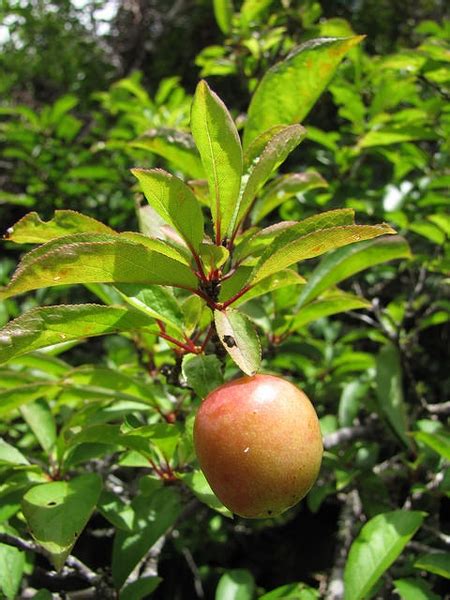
(346, 434)
(71, 561)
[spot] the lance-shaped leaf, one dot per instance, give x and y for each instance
(379, 543)
(32, 230)
(239, 338)
(223, 12)
(14, 398)
(288, 248)
(331, 303)
(175, 146)
(269, 284)
(252, 9)
(99, 262)
(256, 244)
(288, 91)
(283, 188)
(41, 327)
(272, 155)
(57, 512)
(390, 391)
(174, 201)
(220, 149)
(347, 261)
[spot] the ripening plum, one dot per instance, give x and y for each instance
(259, 445)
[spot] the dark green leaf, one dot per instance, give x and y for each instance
(155, 514)
(141, 588)
(202, 373)
(349, 260)
(437, 563)
(390, 391)
(414, 589)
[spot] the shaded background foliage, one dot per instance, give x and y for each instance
(82, 81)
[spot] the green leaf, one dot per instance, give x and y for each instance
(114, 509)
(283, 188)
(197, 483)
(12, 566)
(378, 544)
(41, 327)
(32, 230)
(18, 396)
(395, 135)
(289, 90)
(291, 247)
(223, 12)
(438, 442)
(57, 513)
(292, 591)
(155, 301)
(252, 9)
(274, 152)
(174, 201)
(141, 588)
(347, 261)
(175, 146)
(9, 454)
(239, 338)
(155, 514)
(237, 584)
(414, 589)
(220, 149)
(99, 262)
(202, 373)
(255, 244)
(42, 423)
(276, 281)
(390, 391)
(331, 303)
(437, 563)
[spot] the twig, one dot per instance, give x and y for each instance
(441, 408)
(350, 515)
(71, 561)
(195, 572)
(346, 434)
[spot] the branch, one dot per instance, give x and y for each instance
(71, 561)
(441, 408)
(346, 434)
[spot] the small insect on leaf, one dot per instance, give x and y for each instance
(229, 341)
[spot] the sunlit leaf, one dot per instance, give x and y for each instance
(438, 563)
(236, 584)
(32, 230)
(379, 543)
(288, 91)
(175, 146)
(174, 201)
(50, 325)
(220, 149)
(57, 512)
(272, 155)
(290, 247)
(239, 338)
(223, 12)
(99, 262)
